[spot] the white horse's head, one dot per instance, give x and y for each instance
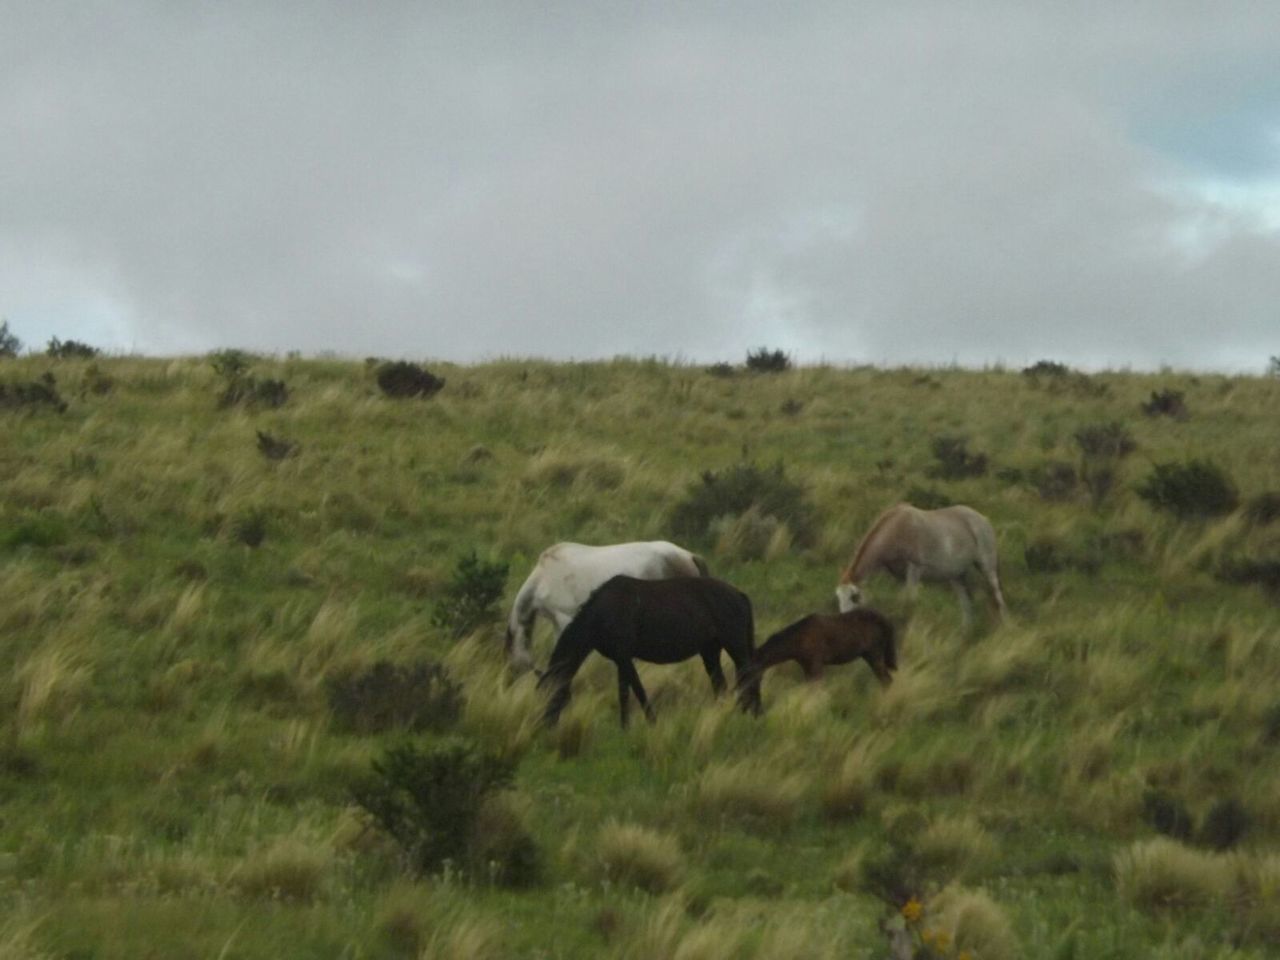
(849, 596)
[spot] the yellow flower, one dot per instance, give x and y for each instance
(942, 940)
(912, 910)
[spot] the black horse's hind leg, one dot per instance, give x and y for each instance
(628, 678)
(712, 662)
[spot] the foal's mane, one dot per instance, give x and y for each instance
(846, 576)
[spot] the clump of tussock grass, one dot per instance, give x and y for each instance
(975, 923)
(628, 854)
(501, 713)
(1012, 659)
(740, 790)
(847, 793)
(920, 691)
(465, 938)
(558, 470)
(751, 536)
(1163, 874)
(52, 683)
(290, 868)
(403, 917)
(955, 846)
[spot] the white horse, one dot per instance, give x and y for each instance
(933, 545)
(568, 573)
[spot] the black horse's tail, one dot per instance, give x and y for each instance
(703, 569)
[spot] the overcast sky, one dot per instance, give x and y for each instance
(884, 182)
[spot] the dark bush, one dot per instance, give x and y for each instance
(95, 382)
(242, 388)
(390, 696)
(230, 364)
(1048, 555)
(1273, 367)
(399, 378)
(32, 395)
(1166, 403)
(471, 596)
(768, 361)
(927, 498)
(1263, 573)
(70, 349)
(1054, 480)
(10, 345)
(1263, 509)
(1046, 368)
(250, 528)
(1193, 489)
(954, 461)
(1105, 440)
(1224, 825)
(734, 490)
(429, 800)
(721, 369)
(791, 407)
(275, 448)
(1167, 814)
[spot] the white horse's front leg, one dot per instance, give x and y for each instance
(913, 582)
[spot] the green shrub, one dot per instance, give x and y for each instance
(722, 370)
(1193, 489)
(954, 461)
(734, 491)
(1166, 403)
(1046, 368)
(927, 498)
(1167, 814)
(275, 448)
(400, 378)
(32, 395)
(429, 800)
(70, 349)
(1263, 509)
(471, 596)
(389, 696)
(250, 528)
(1224, 825)
(1102, 447)
(10, 345)
(768, 361)
(1054, 480)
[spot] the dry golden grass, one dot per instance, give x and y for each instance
(292, 868)
(974, 923)
(956, 846)
(52, 683)
(464, 938)
(751, 789)
(1162, 873)
(847, 791)
(628, 854)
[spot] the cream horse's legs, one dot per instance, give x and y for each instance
(961, 589)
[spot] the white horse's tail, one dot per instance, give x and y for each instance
(520, 625)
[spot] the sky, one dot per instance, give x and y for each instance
(899, 182)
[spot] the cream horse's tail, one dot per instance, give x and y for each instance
(520, 626)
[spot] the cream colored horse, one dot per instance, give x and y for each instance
(567, 574)
(930, 545)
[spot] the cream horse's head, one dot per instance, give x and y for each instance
(849, 596)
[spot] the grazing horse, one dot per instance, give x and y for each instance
(934, 545)
(567, 573)
(819, 640)
(661, 621)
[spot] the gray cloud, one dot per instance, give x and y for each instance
(885, 182)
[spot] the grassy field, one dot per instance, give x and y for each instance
(1097, 777)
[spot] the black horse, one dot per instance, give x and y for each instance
(660, 621)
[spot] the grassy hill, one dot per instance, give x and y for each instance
(1097, 777)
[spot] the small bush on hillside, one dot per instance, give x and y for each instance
(1273, 367)
(954, 461)
(1167, 814)
(791, 407)
(1262, 573)
(1102, 447)
(1054, 480)
(1263, 509)
(390, 696)
(734, 491)
(1166, 403)
(1224, 825)
(32, 395)
(927, 498)
(429, 800)
(1193, 489)
(275, 448)
(250, 528)
(768, 361)
(1046, 368)
(1055, 377)
(95, 382)
(241, 388)
(399, 378)
(70, 349)
(471, 596)
(10, 345)
(722, 370)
